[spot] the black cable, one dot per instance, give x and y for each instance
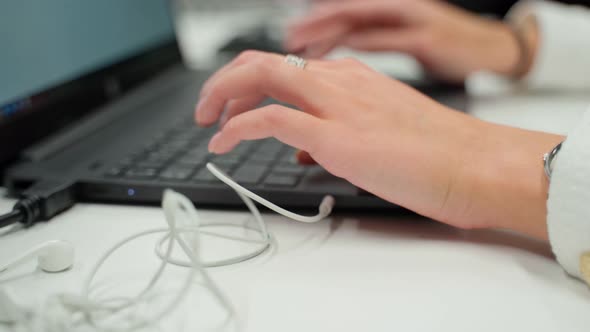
(41, 202)
(10, 218)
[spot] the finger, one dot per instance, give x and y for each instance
(321, 37)
(304, 158)
(319, 46)
(265, 74)
(384, 39)
(238, 106)
(237, 61)
(292, 127)
(350, 13)
(207, 85)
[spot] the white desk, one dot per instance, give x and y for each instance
(350, 273)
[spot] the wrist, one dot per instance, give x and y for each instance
(507, 186)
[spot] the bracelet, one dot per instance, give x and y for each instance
(548, 159)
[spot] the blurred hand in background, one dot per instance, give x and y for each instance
(451, 43)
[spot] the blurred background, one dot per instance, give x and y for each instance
(213, 31)
(500, 7)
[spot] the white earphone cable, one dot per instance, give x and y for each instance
(325, 206)
(66, 311)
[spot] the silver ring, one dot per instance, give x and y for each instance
(296, 61)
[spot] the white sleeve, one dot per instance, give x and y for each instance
(563, 57)
(568, 206)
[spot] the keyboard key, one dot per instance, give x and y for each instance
(241, 150)
(185, 136)
(141, 173)
(150, 164)
(289, 169)
(198, 148)
(169, 151)
(227, 162)
(204, 176)
(249, 174)
(262, 157)
(176, 173)
(161, 155)
(126, 161)
(247, 145)
(288, 158)
(115, 172)
(226, 159)
(197, 153)
(271, 144)
(191, 160)
(268, 150)
(280, 180)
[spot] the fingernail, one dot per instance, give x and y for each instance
(213, 148)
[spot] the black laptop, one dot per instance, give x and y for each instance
(95, 94)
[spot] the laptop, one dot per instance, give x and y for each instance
(95, 94)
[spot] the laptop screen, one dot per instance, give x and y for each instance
(61, 59)
(45, 43)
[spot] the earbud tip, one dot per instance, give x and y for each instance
(58, 257)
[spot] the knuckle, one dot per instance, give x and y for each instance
(424, 42)
(247, 56)
(354, 65)
(350, 61)
(261, 66)
(232, 126)
(273, 116)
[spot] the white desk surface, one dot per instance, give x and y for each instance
(352, 272)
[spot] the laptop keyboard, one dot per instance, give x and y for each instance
(180, 155)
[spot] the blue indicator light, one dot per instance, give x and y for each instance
(131, 192)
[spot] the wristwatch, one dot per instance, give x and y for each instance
(549, 158)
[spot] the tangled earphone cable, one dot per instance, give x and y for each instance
(65, 312)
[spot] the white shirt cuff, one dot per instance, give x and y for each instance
(568, 206)
(563, 57)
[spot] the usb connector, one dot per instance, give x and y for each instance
(40, 202)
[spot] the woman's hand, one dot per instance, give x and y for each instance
(386, 138)
(450, 42)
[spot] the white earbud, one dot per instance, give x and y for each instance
(52, 256)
